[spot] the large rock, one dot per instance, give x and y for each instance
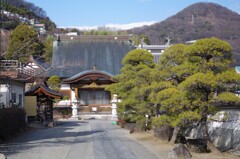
(50, 124)
(164, 133)
(223, 129)
(222, 139)
(197, 145)
(197, 133)
(179, 151)
(236, 138)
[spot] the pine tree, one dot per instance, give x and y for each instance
(133, 86)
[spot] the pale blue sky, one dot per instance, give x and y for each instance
(102, 12)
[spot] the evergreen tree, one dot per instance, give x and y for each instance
(24, 42)
(210, 57)
(173, 68)
(198, 72)
(54, 82)
(133, 86)
(48, 44)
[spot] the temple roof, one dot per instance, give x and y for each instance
(88, 74)
(71, 56)
(38, 89)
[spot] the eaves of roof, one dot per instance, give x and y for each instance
(43, 89)
(87, 73)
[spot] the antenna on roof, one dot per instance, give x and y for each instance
(192, 19)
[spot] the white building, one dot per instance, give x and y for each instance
(12, 93)
(12, 82)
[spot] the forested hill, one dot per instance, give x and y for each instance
(197, 21)
(23, 9)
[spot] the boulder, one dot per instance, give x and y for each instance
(197, 145)
(164, 133)
(179, 151)
(222, 139)
(223, 129)
(50, 124)
(236, 137)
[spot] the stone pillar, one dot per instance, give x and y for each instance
(74, 108)
(114, 101)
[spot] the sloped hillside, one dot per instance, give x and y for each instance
(197, 21)
(15, 11)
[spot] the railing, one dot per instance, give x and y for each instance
(8, 64)
(15, 66)
(27, 71)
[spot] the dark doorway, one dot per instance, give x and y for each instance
(93, 97)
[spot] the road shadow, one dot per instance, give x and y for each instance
(65, 133)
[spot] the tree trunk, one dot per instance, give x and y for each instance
(205, 127)
(174, 136)
(206, 136)
(157, 110)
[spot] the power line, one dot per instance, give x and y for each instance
(25, 45)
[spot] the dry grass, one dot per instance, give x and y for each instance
(161, 148)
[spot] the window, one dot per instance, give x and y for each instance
(20, 100)
(13, 98)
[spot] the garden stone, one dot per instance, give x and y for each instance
(197, 145)
(179, 151)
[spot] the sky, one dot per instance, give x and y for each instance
(117, 13)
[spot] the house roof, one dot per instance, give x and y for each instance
(41, 88)
(39, 61)
(71, 56)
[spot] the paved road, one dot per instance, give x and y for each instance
(90, 139)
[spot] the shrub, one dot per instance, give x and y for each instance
(62, 112)
(12, 120)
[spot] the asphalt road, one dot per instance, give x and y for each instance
(73, 139)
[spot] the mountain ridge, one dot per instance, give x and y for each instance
(197, 21)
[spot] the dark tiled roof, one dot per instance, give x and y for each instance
(71, 57)
(94, 38)
(47, 91)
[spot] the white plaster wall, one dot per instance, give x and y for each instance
(65, 87)
(65, 102)
(5, 94)
(7, 90)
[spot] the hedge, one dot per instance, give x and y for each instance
(12, 120)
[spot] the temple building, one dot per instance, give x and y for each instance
(86, 65)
